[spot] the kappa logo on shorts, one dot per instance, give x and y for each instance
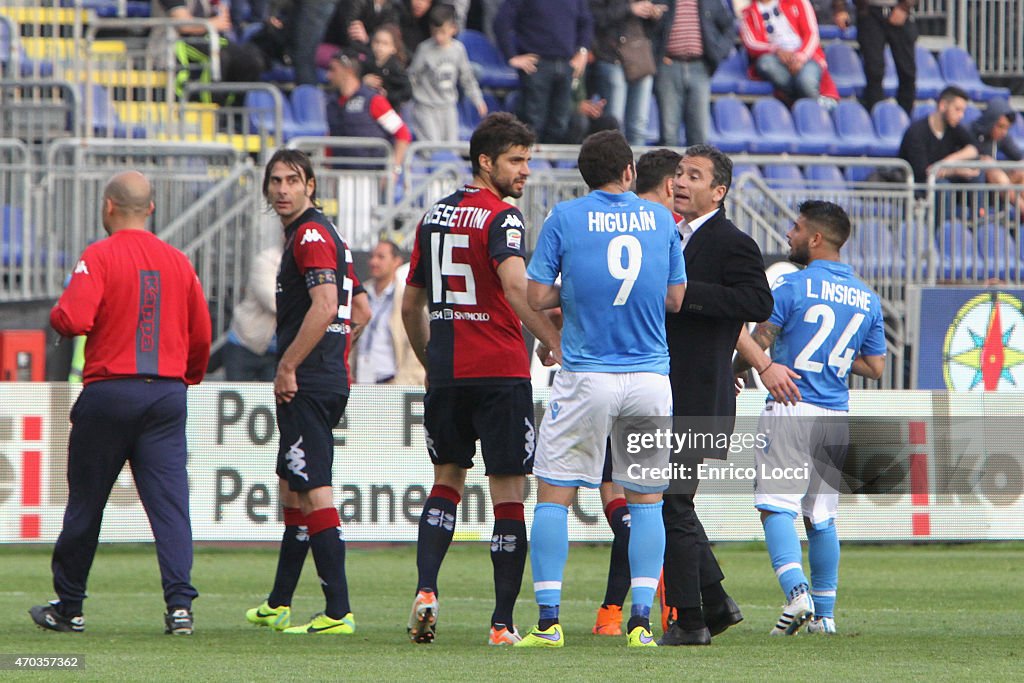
(297, 460)
(530, 441)
(555, 407)
(312, 235)
(503, 543)
(430, 444)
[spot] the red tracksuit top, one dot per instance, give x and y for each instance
(141, 305)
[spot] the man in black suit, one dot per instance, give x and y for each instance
(727, 288)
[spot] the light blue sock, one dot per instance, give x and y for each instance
(646, 553)
(823, 555)
(549, 541)
(784, 550)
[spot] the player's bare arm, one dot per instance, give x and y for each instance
(541, 297)
(868, 366)
(750, 353)
(361, 315)
(416, 326)
(543, 352)
(674, 298)
(323, 309)
(512, 273)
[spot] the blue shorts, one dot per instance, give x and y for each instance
(305, 457)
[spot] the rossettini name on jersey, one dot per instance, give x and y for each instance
(475, 336)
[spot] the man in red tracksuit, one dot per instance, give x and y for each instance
(140, 304)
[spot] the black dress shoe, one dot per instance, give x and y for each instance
(722, 616)
(675, 635)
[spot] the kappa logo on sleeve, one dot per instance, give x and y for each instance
(512, 221)
(81, 268)
(312, 235)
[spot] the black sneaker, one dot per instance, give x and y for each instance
(178, 622)
(46, 616)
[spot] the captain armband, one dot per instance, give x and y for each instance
(320, 276)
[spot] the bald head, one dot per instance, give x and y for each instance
(130, 192)
(127, 202)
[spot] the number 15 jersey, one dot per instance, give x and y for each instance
(475, 335)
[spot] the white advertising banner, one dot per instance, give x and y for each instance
(927, 466)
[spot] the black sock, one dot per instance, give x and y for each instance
(437, 526)
(329, 556)
(635, 621)
(508, 556)
(294, 546)
(617, 514)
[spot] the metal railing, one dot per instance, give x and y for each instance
(24, 256)
(992, 31)
(39, 112)
(354, 184)
(976, 233)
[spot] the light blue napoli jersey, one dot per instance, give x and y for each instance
(828, 318)
(617, 255)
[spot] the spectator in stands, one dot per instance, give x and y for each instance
(359, 111)
(991, 135)
(415, 23)
(695, 36)
(781, 37)
(385, 70)
(354, 21)
(549, 43)
(622, 51)
(940, 137)
(239, 62)
(438, 68)
(307, 25)
(383, 355)
(881, 22)
(590, 114)
(250, 354)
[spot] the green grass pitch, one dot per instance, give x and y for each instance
(934, 612)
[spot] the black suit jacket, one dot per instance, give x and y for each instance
(726, 287)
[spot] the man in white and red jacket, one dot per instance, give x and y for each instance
(781, 37)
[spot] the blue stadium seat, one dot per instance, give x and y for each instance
(958, 68)
(105, 121)
(491, 69)
(858, 174)
(784, 177)
(971, 114)
(958, 251)
(825, 175)
(261, 114)
(775, 123)
(108, 8)
(853, 124)
(999, 256)
(890, 123)
(733, 126)
(814, 124)
(309, 109)
(921, 110)
(732, 77)
(13, 219)
(890, 81)
(739, 170)
(846, 69)
(27, 67)
(929, 78)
